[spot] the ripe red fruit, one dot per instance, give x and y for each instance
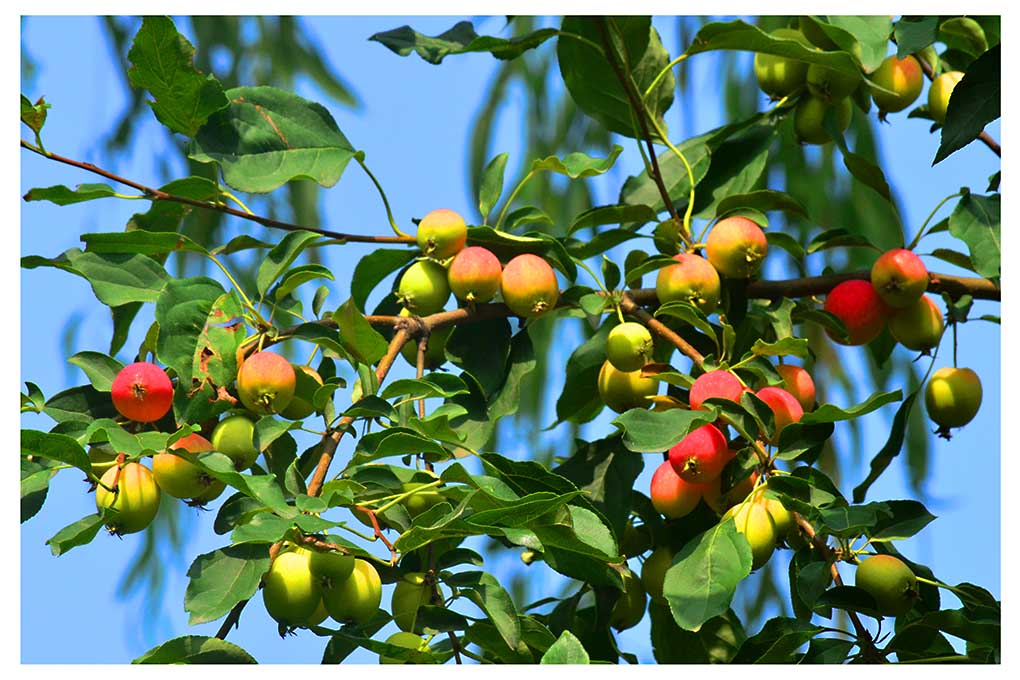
(135, 497)
(798, 382)
(475, 275)
(700, 456)
(918, 327)
(423, 288)
(722, 384)
(952, 398)
(900, 277)
(180, 477)
(692, 279)
(902, 76)
(529, 286)
(857, 304)
(266, 382)
(441, 234)
(142, 392)
(736, 246)
(785, 408)
(672, 496)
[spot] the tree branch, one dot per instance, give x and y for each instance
(628, 306)
(984, 136)
(158, 195)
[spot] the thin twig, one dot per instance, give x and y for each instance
(628, 306)
(159, 195)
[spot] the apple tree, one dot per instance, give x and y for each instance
(707, 366)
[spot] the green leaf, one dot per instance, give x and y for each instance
(739, 35)
(268, 137)
(491, 185)
(797, 347)
(872, 35)
(34, 115)
(166, 216)
(612, 214)
(776, 642)
(140, 241)
(373, 268)
(357, 336)
(429, 386)
(83, 404)
(830, 413)
(220, 579)
(591, 80)
(58, 447)
(299, 276)
(162, 62)
(98, 367)
(61, 195)
(975, 103)
(77, 533)
(281, 257)
(35, 483)
(196, 649)
(526, 215)
(976, 221)
(914, 33)
(705, 573)
(115, 279)
(905, 519)
(485, 591)
(646, 431)
(579, 401)
(566, 650)
(762, 200)
(963, 34)
(461, 39)
(578, 165)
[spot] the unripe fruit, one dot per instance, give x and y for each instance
(135, 498)
(890, 581)
(692, 279)
(142, 392)
(421, 501)
(902, 76)
(318, 616)
(653, 572)
(636, 539)
(181, 478)
(475, 275)
(700, 456)
(435, 353)
(952, 398)
(799, 383)
(307, 381)
(409, 595)
(672, 496)
(630, 608)
(720, 502)
(235, 438)
(753, 520)
(529, 286)
(779, 76)
(899, 277)
(810, 114)
(857, 304)
(918, 327)
(720, 384)
(782, 519)
(785, 408)
(330, 568)
(736, 246)
(830, 85)
(357, 598)
(441, 234)
(266, 383)
(629, 346)
(624, 390)
(407, 641)
(939, 93)
(289, 590)
(423, 288)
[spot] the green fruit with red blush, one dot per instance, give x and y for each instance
(736, 247)
(692, 279)
(441, 234)
(265, 383)
(529, 286)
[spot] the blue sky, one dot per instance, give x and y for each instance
(413, 128)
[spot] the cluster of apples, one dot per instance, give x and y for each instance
(267, 383)
(473, 274)
(901, 81)
(894, 298)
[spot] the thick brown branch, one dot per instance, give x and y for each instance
(628, 306)
(158, 195)
(984, 136)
